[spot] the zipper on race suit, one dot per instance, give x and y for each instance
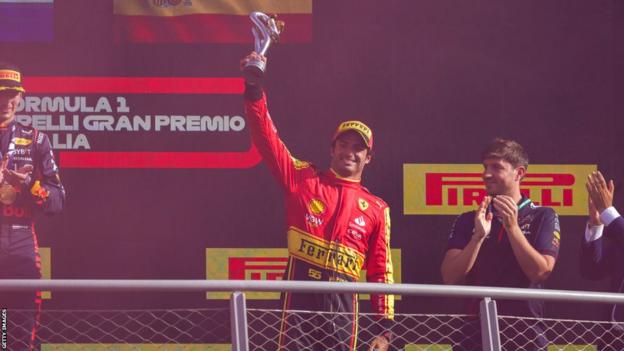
(334, 233)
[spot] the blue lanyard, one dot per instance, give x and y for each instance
(524, 203)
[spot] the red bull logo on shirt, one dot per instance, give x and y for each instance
(449, 189)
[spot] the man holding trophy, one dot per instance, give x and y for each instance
(336, 227)
(29, 181)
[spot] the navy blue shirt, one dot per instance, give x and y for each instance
(496, 264)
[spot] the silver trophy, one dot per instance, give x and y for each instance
(266, 30)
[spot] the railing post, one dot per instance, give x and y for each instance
(238, 322)
(490, 336)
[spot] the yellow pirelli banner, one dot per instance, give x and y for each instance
(46, 269)
(262, 264)
(450, 189)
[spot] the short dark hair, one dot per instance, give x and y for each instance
(508, 150)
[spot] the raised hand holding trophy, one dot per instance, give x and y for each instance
(266, 30)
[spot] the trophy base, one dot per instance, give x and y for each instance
(254, 72)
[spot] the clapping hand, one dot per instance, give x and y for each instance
(483, 219)
(600, 193)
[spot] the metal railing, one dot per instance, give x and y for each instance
(258, 326)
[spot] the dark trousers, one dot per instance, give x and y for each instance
(19, 259)
(336, 329)
(313, 331)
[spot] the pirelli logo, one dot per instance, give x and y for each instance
(256, 268)
(448, 189)
(6, 74)
(245, 264)
(264, 264)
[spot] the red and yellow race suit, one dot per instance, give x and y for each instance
(335, 228)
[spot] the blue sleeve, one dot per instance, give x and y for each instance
(596, 259)
(47, 192)
(461, 232)
(548, 236)
(615, 230)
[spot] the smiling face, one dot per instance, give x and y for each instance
(349, 155)
(9, 100)
(501, 177)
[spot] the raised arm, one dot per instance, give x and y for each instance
(285, 168)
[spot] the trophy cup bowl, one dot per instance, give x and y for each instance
(266, 30)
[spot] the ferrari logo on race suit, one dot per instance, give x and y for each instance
(363, 204)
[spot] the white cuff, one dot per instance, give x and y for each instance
(593, 232)
(609, 215)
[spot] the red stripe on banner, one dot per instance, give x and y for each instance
(134, 85)
(204, 28)
(86, 159)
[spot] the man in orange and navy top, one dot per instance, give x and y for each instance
(29, 182)
(335, 228)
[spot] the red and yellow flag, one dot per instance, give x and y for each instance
(206, 21)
